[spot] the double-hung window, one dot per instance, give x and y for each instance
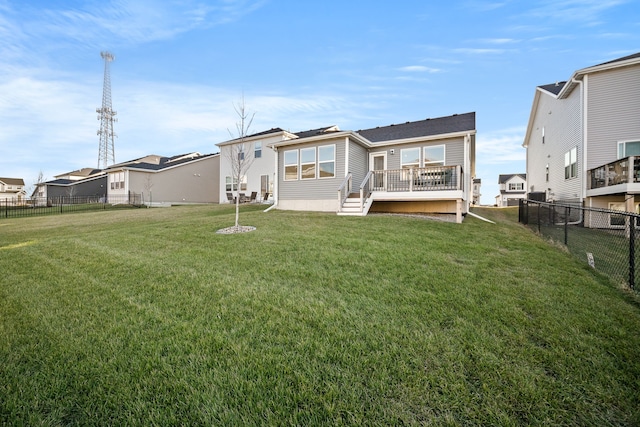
(516, 186)
(570, 163)
(291, 165)
(308, 163)
(433, 156)
(327, 161)
(257, 150)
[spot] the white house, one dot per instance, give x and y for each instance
(583, 137)
(513, 187)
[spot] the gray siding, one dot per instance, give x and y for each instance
(561, 121)
(453, 151)
(613, 111)
(312, 189)
(358, 163)
(91, 188)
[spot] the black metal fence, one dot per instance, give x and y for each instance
(16, 208)
(606, 239)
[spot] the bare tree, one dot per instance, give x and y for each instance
(148, 185)
(36, 185)
(240, 154)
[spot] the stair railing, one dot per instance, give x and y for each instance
(365, 184)
(344, 190)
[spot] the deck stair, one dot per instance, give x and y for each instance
(351, 206)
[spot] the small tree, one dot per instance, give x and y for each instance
(240, 154)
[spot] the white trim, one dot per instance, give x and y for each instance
(423, 163)
(376, 154)
(624, 142)
(346, 157)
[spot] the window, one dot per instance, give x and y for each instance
(308, 163)
(628, 148)
(516, 186)
(543, 134)
(230, 184)
(327, 161)
(291, 165)
(570, 164)
(546, 172)
(410, 158)
(434, 156)
(241, 152)
(257, 150)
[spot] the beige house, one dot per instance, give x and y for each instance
(513, 188)
(187, 178)
(12, 190)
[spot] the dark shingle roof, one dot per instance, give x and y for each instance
(554, 88)
(315, 132)
(624, 58)
(164, 162)
(506, 177)
(428, 127)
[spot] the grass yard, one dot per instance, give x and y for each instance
(147, 317)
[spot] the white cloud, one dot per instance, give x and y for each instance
(419, 69)
(502, 146)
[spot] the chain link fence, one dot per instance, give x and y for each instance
(606, 239)
(17, 208)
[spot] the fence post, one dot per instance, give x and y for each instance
(632, 251)
(538, 217)
(566, 224)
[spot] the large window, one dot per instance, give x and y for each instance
(257, 150)
(434, 156)
(308, 163)
(117, 180)
(410, 158)
(327, 161)
(570, 164)
(516, 186)
(628, 148)
(291, 165)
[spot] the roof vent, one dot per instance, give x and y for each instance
(557, 84)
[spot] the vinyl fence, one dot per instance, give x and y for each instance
(606, 239)
(16, 208)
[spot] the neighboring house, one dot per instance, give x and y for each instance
(187, 178)
(477, 183)
(425, 166)
(260, 175)
(513, 187)
(86, 182)
(583, 137)
(12, 189)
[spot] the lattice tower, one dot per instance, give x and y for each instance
(106, 150)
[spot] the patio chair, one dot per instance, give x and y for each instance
(266, 197)
(253, 196)
(230, 198)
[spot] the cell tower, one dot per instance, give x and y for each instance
(106, 151)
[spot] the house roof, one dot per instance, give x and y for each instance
(428, 127)
(252, 136)
(506, 177)
(156, 163)
(315, 132)
(12, 181)
(624, 58)
(553, 88)
(84, 172)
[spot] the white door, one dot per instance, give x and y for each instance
(378, 164)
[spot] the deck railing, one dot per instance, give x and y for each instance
(623, 171)
(436, 178)
(345, 189)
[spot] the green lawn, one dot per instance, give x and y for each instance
(148, 317)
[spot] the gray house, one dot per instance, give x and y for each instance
(583, 137)
(425, 166)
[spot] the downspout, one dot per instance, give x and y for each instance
(583, 129)
(275, 183)
(467, 171)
